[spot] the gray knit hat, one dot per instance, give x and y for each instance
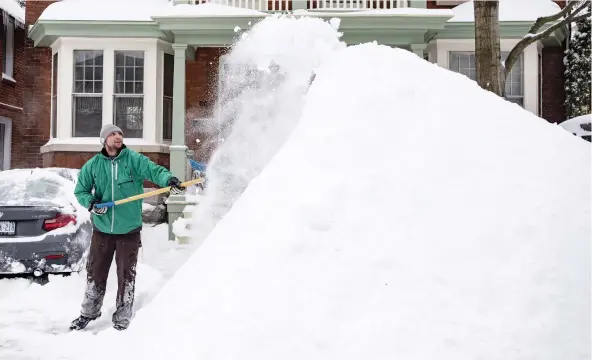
(108, 130)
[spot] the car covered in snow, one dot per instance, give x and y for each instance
(43, 228)
(580, 126)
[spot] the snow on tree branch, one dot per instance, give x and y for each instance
(581, 12)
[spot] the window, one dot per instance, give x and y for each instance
(129, 92)
(87, 112)
(54, 96)
(167, 98)
(8, 46)
(5, 142)
(464, 63)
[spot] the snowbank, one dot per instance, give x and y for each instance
(401, 219)
(509, 10)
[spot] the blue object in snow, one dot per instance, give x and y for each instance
(195, 165)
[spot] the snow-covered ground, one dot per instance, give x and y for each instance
(408, 215)
(31, 313)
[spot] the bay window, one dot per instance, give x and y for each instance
(87, 95)
(99, 81)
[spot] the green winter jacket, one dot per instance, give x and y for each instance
(116, 179)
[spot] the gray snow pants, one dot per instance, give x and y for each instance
(102, 247)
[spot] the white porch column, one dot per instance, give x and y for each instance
(178, 150)
(418, 49)
(531, 78)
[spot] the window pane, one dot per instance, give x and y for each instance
(129, 72)
(98, 73)
(88, 69)
(87, 115)
(167, 118)
(169, 72)
(129, 115)
(119, 87)
(119, 59)
(119, 73)
(139, 88)
(129, 60)
(98, 87)
(139, 74)
(464, 62)
(89, 73)
(79, 86)
(79, 73)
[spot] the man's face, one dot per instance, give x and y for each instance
(114, 140)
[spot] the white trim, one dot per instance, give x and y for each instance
(8, 38)
(65, 48)
(440, 48)
(7, 141)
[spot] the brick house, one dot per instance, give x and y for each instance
(151, 66)
(77, 60)
(12, 39)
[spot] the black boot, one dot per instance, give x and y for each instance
(81, 322)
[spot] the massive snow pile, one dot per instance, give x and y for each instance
(403, 218)
(408, 215)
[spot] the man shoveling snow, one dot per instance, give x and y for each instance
(117, 172)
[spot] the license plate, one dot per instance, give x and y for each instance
(7, 227)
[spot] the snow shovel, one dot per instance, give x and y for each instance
(148, 194)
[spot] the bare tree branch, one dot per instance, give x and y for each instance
(534, 36)
(540, 22)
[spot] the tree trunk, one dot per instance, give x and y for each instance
(490, 74)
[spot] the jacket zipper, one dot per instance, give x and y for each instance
(113, 167)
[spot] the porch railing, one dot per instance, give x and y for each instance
(317, 5)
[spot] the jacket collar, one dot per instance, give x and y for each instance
(105, 154)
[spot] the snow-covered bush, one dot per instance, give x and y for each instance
(578, 73)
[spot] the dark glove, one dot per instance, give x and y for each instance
(94, 209)
(175, 185)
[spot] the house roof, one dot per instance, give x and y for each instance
(12, 8)
(112, 10)
(509, 10)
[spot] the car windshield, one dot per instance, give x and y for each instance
(27, 188)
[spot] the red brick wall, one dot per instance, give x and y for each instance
(201, 83)
(553, 92)
(33, 130)
(12, 93)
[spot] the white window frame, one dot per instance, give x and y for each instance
(439, 51)
(8, 48)
(151, 140)
(84, 94)
(117, 94)
(7, 141)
